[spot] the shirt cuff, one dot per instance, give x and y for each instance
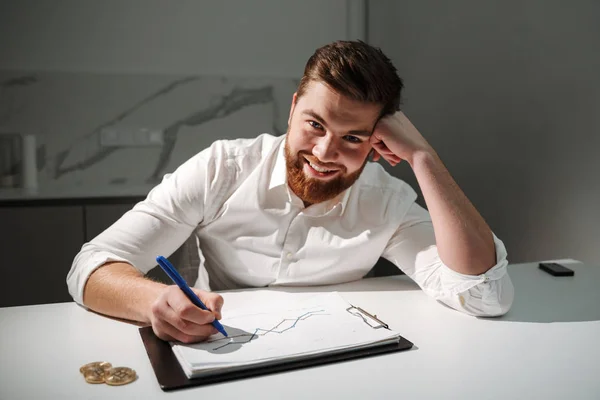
(451, 282)
(488, 294)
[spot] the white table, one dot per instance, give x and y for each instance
(546, 347)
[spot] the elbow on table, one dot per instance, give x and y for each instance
(499, 310)
(494, 302)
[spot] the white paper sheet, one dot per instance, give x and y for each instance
(309, 327)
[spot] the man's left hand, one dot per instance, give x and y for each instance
(395, 138)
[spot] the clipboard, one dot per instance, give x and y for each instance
(170, 375)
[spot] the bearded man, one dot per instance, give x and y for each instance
(304, 208)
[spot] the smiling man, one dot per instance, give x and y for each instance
(325, 153)
(304, 208)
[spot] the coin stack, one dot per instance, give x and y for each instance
(104, 372)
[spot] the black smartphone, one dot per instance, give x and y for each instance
(556, 269)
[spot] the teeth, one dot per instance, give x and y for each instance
(317, 168)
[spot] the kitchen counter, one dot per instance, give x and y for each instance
(58, 195)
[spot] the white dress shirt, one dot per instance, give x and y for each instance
(254, 231)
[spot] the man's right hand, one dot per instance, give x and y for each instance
(175, 317)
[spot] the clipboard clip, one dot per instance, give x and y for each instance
(368, 318)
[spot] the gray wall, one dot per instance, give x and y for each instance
(508, 93)
(197, 71)
(269, 38)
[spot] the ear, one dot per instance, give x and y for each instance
(294, 99)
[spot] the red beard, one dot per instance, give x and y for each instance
(312, 190)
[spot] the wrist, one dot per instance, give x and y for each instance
(151, 291)
(422, 158)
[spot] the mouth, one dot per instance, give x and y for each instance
(319, 171)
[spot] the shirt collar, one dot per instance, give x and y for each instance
(279, 178)
(278, 174)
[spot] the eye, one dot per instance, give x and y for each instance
(315, 124)
(352, 139)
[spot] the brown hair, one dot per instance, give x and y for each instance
(356, 70)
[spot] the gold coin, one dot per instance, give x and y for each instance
(119, 376)
(105, 366)
(94, 375)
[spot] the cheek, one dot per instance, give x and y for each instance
(354, 158)
(298, 139)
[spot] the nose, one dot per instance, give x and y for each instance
(325, 149)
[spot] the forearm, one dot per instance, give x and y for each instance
(464, 240)
(119, 290)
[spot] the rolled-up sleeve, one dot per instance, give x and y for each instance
(412, 248)
(156, 226)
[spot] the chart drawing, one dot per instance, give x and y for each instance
(281, 327)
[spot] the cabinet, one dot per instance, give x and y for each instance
(38, 244)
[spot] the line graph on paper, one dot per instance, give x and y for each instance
(281, 327)
(286, 330)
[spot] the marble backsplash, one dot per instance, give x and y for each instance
(68, 111)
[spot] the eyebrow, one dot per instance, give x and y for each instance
(320, 120)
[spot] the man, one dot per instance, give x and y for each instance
(301, 209)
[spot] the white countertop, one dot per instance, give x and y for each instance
(75, 192)
(544, 348)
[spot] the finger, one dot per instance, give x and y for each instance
(215, 303)
(190, 327)
(380, 147)
(395, 158)
(212, 301)
(166, 314)
(383, 151)
(374, 138)
(392, 160)
(378, 151)
(185, 309)
(162, 333)
(166, 331)
(388, 155)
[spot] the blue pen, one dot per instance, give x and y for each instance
(179, 281)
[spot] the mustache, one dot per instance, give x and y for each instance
(314, 160)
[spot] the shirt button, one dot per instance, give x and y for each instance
(289, 256)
